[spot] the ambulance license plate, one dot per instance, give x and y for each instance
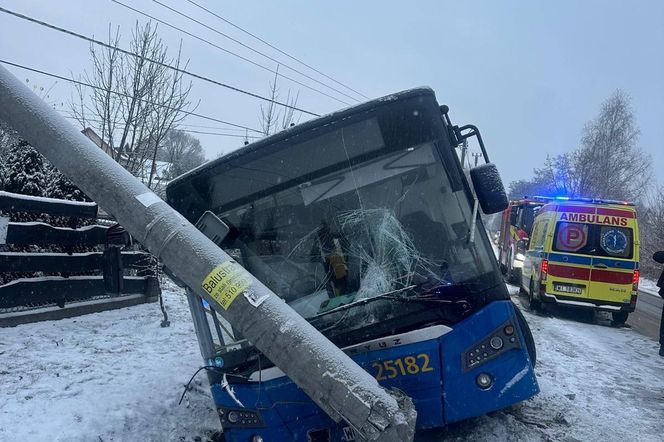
(568, 289)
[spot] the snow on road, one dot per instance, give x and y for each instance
(597, 383)
(117, 376)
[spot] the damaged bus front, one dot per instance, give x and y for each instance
(364, 222)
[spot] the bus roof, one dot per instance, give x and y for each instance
(304, 127)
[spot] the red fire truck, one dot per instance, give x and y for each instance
(515, 229)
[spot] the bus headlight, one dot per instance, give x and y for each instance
(502, 339)
(484, 381)
(256, 438)
(496, 343)
(242, 418)
(233, 417)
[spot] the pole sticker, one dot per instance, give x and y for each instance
(148, 199)
(226, 282)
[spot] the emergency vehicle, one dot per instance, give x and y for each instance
(515, 228)
(584, 253)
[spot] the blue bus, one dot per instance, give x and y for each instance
(365, 222)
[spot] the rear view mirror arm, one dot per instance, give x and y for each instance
(456, 133)
(472, 131)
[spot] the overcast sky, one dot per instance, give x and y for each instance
(528, 73)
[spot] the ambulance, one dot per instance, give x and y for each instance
(584, 253)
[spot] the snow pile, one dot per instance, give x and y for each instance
(111, 376)
(648, 286)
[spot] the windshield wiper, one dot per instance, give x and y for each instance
(434, 295)
(365, 300)
(429, 294)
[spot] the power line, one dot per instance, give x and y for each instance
(165, 23)
(275, 48)
(211, 127)
(252, 49)
(82, 83)
(181, 127)
(133, 54)
(253, 137)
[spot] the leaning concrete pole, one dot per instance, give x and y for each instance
(338, 385)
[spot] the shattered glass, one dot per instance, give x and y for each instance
(389, 259)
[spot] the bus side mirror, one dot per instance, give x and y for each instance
(212, 227)
(489, 188)
(658, 257)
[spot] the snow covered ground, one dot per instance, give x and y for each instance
(111, 376)
(597, 383)
(117, 376)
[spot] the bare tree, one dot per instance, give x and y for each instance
(135, 100)
(182, 151)
(101, 108)
(652, 232)
(172, 97)
(275, 117)
(555, 177)
(609, 163)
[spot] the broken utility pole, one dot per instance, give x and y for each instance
(336, 383)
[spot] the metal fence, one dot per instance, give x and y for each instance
(58, 260)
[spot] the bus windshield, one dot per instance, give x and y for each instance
(391, 225)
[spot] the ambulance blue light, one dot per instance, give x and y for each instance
(581, 200)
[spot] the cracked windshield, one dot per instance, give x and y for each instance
(331, 222)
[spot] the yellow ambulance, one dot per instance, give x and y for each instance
(584, 253)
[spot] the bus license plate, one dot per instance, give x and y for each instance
(568, 289)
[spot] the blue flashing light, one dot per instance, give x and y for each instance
(581, 200)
